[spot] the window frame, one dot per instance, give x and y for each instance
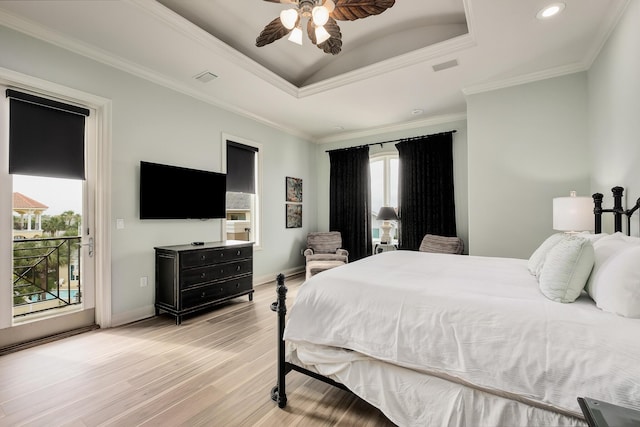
(256, 207)
(386, 158)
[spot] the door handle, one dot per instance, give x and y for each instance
(89, 245)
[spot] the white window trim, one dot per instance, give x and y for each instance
(258, 202)
(100, 125)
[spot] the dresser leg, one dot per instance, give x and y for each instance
(251, 296)
(178, 320)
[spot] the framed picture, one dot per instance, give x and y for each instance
(294, 215)
(294, 189)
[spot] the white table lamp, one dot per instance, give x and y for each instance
(386, 213)
(573, 214)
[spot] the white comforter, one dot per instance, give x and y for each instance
(479, 321)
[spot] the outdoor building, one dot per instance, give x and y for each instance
(30, 211)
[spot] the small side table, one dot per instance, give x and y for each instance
(603, 414)
(384, 247)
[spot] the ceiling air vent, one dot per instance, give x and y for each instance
(445, 65)
(205, 77)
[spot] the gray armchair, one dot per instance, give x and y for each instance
(324, 251)
(442, 244)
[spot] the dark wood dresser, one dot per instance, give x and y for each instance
(191, 278)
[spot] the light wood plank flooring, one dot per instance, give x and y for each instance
(216, 369)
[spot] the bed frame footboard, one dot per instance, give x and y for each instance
(278, 392)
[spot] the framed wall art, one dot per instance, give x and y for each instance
(294, 189)
(294, 215)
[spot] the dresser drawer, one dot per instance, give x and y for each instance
(211, 256)
(213, 292)
(196, 276)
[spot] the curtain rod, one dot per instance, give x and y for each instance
(395, 140)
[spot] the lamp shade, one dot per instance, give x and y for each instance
(573, 213)
(387, 213)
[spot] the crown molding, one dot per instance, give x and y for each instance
(525, 78)
(604, 32)
(415, 124)
(34, 30)
(411, 58)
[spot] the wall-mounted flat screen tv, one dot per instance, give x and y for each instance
(173, 192)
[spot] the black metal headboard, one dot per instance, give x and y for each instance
(617, 210)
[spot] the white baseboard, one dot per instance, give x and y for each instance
(141, 313)
(268, 278)
(145, 312)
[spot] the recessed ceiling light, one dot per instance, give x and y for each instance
(338, 127)
(550, 10)
(417, 112)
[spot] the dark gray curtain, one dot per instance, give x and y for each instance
(350, 200)
(426, 199)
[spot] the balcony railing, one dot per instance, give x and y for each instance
(46, 274)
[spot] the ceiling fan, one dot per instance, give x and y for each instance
(321, 15)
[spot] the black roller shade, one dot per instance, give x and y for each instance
(241, 170)
(46, 137)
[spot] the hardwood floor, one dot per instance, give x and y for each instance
(216, 369)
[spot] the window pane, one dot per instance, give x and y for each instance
(377, 185)
(393, 179)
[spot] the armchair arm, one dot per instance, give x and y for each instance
(342, 252)
(327, 257)
(308, 251)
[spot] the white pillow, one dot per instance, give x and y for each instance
(617, 289)
(566, 269)
(537, 258)
(604, 249)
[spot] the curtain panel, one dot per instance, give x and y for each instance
(425, 194)
(350, 200)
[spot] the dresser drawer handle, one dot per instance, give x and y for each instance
(203, 257)
(237, 285)
(203, 295)
(238, 268)
(239, 252)
(203, 275)
(221, 290)
(222, 271)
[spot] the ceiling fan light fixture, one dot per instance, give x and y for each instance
(289, 17)
(296, 35)
(329, 5)
(320, 15)
(322, 35)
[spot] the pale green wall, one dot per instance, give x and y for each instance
(459, 166)
(154, 123)
(614, 113)
(527, 145)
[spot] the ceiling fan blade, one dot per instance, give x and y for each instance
(272, 32)
(283, 1)
(350, 10)
(334, 44)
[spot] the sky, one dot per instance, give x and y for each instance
(59, 194)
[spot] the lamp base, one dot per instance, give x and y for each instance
(386, 236)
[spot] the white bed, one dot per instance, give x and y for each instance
(450, 340)
(434, 339)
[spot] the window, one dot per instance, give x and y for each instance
(384, 187)
(243, 161)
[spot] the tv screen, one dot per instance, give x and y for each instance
(172, 192)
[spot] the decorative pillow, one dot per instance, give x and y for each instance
(537, 258)
(604, 249)
(566, 268)
(617, 288)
